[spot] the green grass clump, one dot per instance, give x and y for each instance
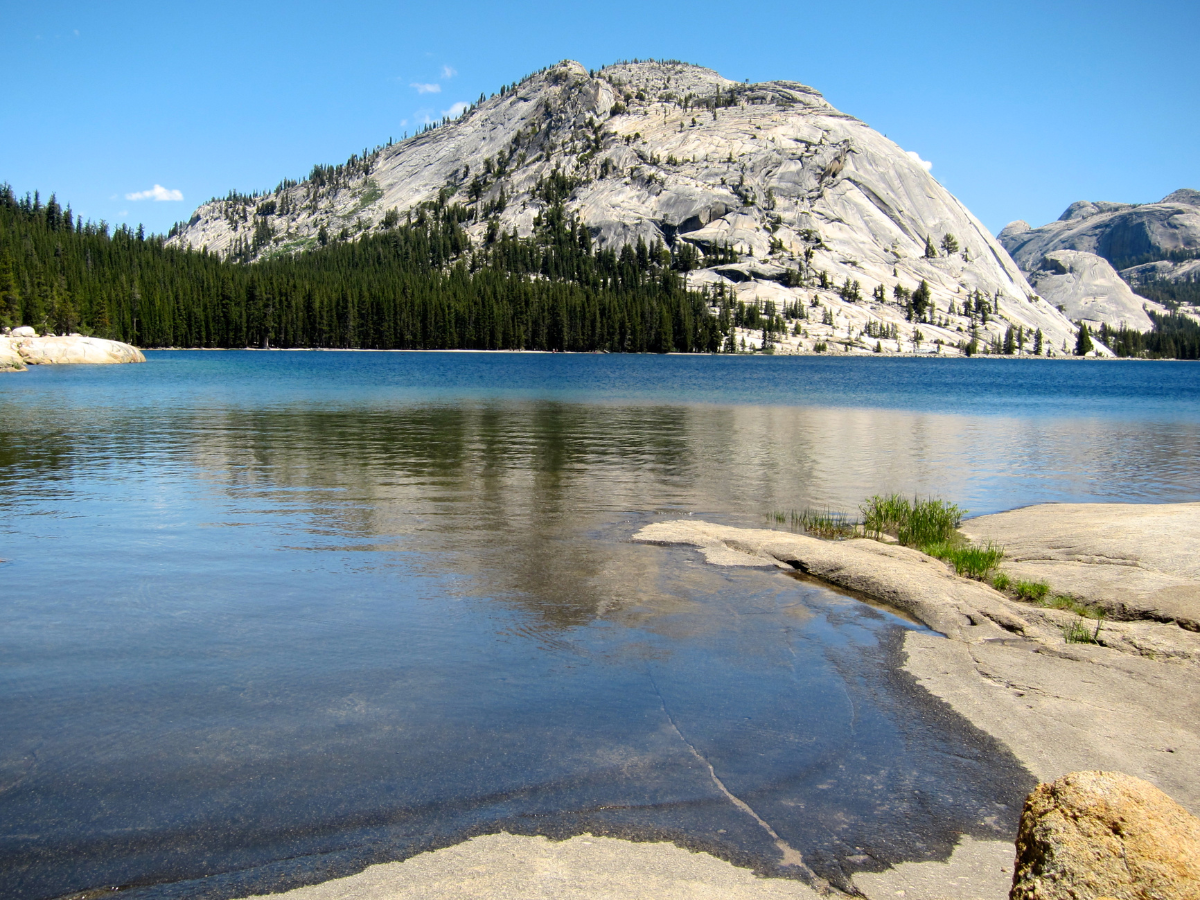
(969, 560)
(1001, 582)
(1079, 608)
(914, 523)
(1077, 631)
(1033, 591)
(826, 523)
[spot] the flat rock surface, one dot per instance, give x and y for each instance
(1137, 561)
(502, 866)
(10, 359)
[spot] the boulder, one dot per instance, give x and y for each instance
(61, 350)
(24, 331)
(1104, 834)
(10, 359)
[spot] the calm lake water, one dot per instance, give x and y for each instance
(270, 617)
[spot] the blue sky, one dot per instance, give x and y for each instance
(1023, 107)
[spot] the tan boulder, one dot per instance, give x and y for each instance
(1091, 835)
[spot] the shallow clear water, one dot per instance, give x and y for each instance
(267, 617)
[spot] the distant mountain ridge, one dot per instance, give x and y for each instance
(1086, 261)
(778, 196)
(1130, 236)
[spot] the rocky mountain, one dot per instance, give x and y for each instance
(1129, 236)
(1110, 246)
(1086, 288)
(770, 191)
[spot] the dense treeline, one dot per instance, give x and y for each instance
(418, 285)
(1171, 294)
(1175, 336)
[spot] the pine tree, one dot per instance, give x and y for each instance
(1083, 341)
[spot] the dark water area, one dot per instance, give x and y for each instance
(269, 617)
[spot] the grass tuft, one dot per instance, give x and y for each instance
(1077, 631)
(969, 560)
(1033, 591)
(914, 523)
(1001, 581)
(826, 523)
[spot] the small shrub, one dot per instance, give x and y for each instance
(1001, 582)
(1033, 591)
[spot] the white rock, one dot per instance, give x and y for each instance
(24, 331)
(1087, 288)
(56, 350)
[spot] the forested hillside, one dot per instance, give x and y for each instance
(419, 284)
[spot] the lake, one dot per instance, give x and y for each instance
(269, 617)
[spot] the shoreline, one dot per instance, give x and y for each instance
(1129, 703)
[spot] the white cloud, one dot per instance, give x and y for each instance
(456, 110)
(158, 192)
(916, 157)
(427, 88)
(449, 72)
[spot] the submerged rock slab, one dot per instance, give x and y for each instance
(1104, 834)
(66, 350)
(903, 578)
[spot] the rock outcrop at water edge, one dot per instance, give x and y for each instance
(20, 350)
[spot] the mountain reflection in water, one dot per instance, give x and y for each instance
(282, 615)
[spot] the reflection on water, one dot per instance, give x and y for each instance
(270, 617)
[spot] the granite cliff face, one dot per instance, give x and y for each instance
(1086, 288)
(1129, 236)
(820, 208)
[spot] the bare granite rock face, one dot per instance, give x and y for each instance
(1142, 241)
(65, 350)
(812, 200)
(10, 359)
(1136, 561)
(1086, 288)
(1104, 834)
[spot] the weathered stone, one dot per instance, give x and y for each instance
(1136, 561)
(903, 578)
(10, 359)
(56, 350)
(774, 171)
(23, 331)
(1104, 834)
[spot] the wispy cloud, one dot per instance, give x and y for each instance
(158, 192)
(426, 88)
(449, 71)
(455, 110)
(916, 157)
